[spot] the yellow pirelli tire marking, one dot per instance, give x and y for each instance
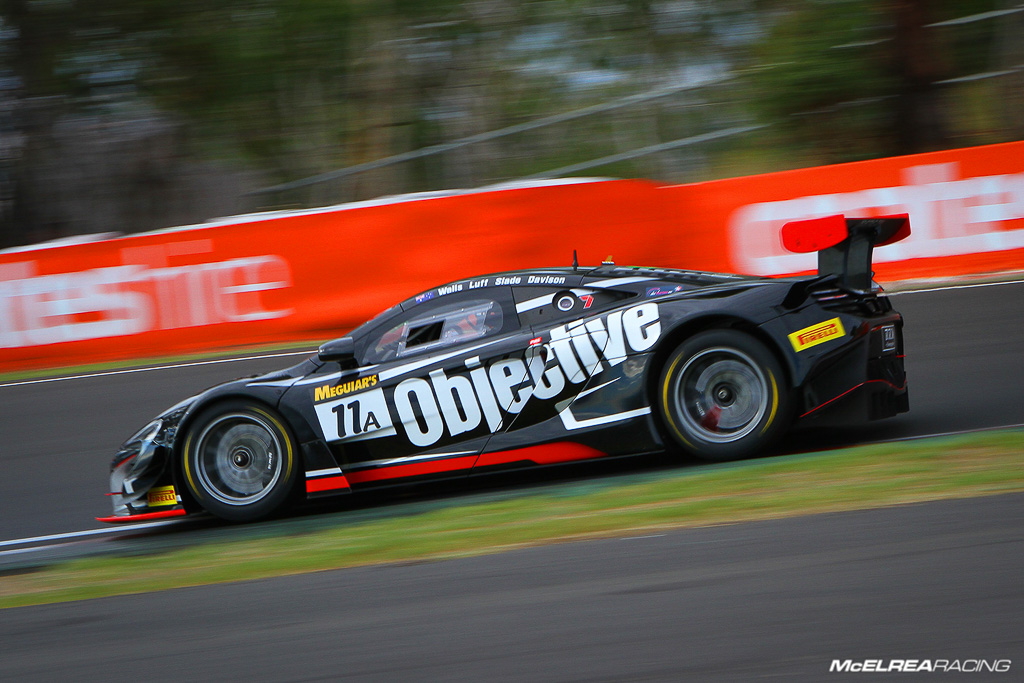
(285, 438)
(775, 401)
(666, 408)
(186, 452)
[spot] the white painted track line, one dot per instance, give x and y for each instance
(946, 288)
(962, 432)
(174, 366)
(88, 532)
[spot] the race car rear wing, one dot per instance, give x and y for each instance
(844, 245)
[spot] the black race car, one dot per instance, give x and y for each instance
(533, 368)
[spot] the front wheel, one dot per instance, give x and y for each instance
(722, 395)
(239, 461)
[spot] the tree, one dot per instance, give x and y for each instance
(851, 80)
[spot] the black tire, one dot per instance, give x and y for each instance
(239, 461)
(723, 396)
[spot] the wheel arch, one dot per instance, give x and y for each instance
(693, 326)
(201, 406)
(779, 419)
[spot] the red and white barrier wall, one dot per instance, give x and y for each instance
(299, 276)
(966, 210)
(313, 275)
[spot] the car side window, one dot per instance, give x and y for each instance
(437, 328)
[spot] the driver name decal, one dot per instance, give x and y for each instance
(456, 402)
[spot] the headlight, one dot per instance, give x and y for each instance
(162, 429)
(143, 458)
(147, 433)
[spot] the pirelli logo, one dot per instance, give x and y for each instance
(161, 495)
(817, 334)
(333, 391)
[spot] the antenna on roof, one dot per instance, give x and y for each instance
(575, 262)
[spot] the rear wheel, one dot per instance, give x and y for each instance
(239, 461)
(722, 396)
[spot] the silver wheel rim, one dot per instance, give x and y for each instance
(238, 458)
(721, 394)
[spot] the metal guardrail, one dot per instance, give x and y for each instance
(491, 135)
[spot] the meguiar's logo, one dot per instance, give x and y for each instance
(333, 391)
(817, 334)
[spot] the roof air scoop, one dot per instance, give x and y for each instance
(845, 245)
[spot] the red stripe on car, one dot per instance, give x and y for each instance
(546, 454)
(326, 484)
(162, 514)
(413, 469)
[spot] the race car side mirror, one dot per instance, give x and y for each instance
(342, 350)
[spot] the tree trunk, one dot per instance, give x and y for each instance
(919, 63)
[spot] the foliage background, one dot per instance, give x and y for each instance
(128, 115)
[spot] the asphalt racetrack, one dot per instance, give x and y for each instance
(965, 367)
(776, 600)
(938, 581)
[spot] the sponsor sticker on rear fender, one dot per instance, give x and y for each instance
(817, 334)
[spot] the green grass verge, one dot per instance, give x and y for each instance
(855, 478)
